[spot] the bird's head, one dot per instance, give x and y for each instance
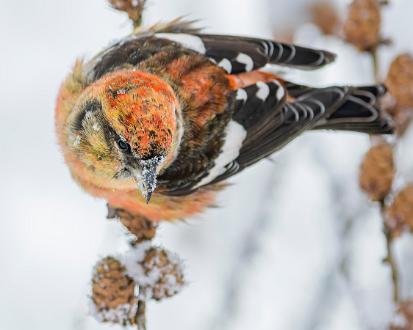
(125, 127)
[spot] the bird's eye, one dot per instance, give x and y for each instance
(124, 146)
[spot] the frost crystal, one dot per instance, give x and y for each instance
(120, 315)
(158, 272)
(121, 91)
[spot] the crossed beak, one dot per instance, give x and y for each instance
(145, 174)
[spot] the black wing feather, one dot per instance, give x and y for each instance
(238, 54)
(262, 52)
(283, 123)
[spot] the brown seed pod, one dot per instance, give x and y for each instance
(399, 81)
(325, 16)
(113, 293)
(363, 23)
(399, 215)
(158, 272)
(402, 121)
(143, 229)
(171, 277)
(133, 8)
(403, 319)
(377, 171)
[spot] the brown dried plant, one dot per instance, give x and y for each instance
(134, 9)
(399, 81)
(141, 228)
(362, 28)
(113, 293)
(363, 24)
(326, 17)
(121, 286)
(377, 171)
(399, 214)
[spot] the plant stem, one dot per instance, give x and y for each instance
(390, 258)
(141, 315)
(376, 67)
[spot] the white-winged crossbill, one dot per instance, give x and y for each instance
(175, 112)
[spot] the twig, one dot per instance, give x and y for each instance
(376, 68)
(390, 259)
(141, 315)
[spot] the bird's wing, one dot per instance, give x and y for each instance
(233, 53)
(263, 122)
(241, 54)
(282, 122)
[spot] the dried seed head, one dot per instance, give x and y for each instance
(158, 272)
(142, 228)
(325, 16)
(377, 171)
(113, 293)
(403, 320)
(401, 117)
(171, 277)
(363, 23)
(402, 121)
(399, 215)
(133, 8)
(399, 81)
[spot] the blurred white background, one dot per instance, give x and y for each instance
(295, 245)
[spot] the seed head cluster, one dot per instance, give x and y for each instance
(377, 172)
(363, 23)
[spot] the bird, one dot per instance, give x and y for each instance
(158, 121)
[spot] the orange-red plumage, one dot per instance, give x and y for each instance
(182, 111)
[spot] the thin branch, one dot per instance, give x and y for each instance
(390, 258)
(376, 67)
(140, 318)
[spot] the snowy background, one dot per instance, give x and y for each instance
(295, 245)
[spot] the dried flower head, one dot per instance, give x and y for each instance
(399, 215)
(377, 171)
(399, 81)
(403, 319)
(325, 16)
(363, 23)
(133, 8)
(402, 121)
(142, 228)
(158, 272)
(113, 293)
